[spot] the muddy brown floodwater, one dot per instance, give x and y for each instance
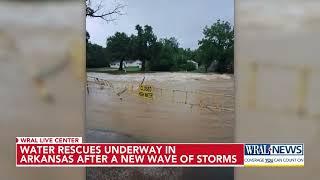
(187, 107)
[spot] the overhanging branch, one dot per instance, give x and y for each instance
(107, 16)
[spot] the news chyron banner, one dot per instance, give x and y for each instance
(72, 152)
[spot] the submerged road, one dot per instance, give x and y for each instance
(151, 173)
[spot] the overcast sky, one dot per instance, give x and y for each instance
(183, 19)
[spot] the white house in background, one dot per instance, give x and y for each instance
(195, 63)
(115, 64)
(133, 63)
(127, 63)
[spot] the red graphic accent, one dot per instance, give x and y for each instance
(130, 154)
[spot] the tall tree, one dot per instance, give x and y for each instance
(96, 56)
(118, 46)
(217, 46)
(168, 54)
(144, 43)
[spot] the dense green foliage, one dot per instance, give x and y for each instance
(217, 47)
(144, 44)
(119, 47)
(96, 55)
(215, 51)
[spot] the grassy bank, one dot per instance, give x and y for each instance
(115, 71)
(131, 70)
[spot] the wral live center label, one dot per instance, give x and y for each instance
(274, 155)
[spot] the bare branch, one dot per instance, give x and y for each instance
(94, 12)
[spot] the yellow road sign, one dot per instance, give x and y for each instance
(146, 91)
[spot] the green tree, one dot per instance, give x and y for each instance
(96, 56)
(217, 47)
(183, 60)
(166, 51)
(118, 47)
(207, 54)
(190, 54)
(144, 43)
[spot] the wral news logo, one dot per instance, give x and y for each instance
(274, 155)
(274, 149)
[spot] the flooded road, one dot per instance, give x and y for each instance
(186, 107)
